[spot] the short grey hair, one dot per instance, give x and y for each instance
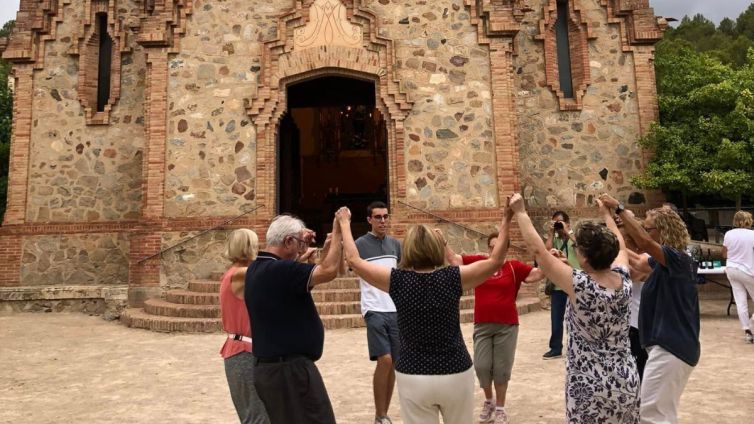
(283, 226)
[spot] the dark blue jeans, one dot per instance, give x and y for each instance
(558, 300)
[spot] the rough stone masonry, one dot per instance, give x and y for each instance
(470, 89)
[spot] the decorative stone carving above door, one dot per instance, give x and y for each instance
(328, 26)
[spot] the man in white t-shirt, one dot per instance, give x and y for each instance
(378, 308)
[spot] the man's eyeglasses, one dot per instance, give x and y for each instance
(381, 217)
(300, 241)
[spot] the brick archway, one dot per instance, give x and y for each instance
(353, 50)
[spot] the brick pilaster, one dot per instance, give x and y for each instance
(18, 174)
(646, 98)
(143, 274)
(153, 173)
(504, 116)
(10, 260)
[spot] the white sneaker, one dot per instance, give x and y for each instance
(749, 337)
(382, 420)
(488, 409)
(501, 417)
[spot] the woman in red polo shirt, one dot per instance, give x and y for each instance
(495, 326)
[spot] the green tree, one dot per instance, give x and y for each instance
(704, 142)
(728, 27)
(745, 23)
(6, 119)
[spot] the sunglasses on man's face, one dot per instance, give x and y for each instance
(381, 217)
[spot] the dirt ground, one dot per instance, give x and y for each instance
(74, 368)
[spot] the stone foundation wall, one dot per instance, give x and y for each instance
(80, 172)
(106, 301)
(62, 260)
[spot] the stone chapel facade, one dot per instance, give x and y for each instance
(139, 123)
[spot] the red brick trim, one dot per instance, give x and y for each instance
(153, 165)
(497, 26)
(87, 49)
(36, 23)
(10, 260)
(164, 22)
(18, 175)
(579, 34)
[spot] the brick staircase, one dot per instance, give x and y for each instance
(197, 308)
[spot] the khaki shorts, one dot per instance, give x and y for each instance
(494, 352)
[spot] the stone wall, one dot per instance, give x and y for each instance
(211, 159)
(197, 259)
(97, 259)
(80, 172)
(450, 155)
(211, 146)
(569, 157)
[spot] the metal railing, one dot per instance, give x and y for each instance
(438, 217)
(441, 218)
(216, 227)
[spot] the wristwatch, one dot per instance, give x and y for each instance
(619, 209)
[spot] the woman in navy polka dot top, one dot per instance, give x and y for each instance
(434, 370)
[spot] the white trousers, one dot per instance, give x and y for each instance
(665, 377)
(740, 283)
(424, 397)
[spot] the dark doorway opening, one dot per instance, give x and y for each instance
(332, 152)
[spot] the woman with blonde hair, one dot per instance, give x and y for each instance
(434, 370)
(669, 309)
(738, 248)
(241, 249)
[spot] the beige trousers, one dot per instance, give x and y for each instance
(665, 377)
(424, 397)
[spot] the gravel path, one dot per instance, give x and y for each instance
(74, 368)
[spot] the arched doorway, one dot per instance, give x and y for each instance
(332, 151)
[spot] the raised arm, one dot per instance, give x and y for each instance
(376, 275)
(558, 272)
(535, 275)
(327, 270)
(451, 257)
(640, 236)
(475, 274)
(607, 215)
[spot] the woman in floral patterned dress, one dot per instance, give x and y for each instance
(602, 383)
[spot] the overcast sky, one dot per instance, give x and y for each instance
(714, 10)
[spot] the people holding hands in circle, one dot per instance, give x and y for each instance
(602, 383)
(434, 371)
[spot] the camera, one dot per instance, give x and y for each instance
(558, 225)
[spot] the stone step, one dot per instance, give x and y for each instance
(338, 308)
(339, 283)
(168, 309)
(137, 318)
(336, 295)
(204, 286)
(186, 297)
(332, 322)
(216, 276)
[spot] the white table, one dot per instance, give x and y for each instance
(718, 276)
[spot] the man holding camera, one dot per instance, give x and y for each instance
(561, 243)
